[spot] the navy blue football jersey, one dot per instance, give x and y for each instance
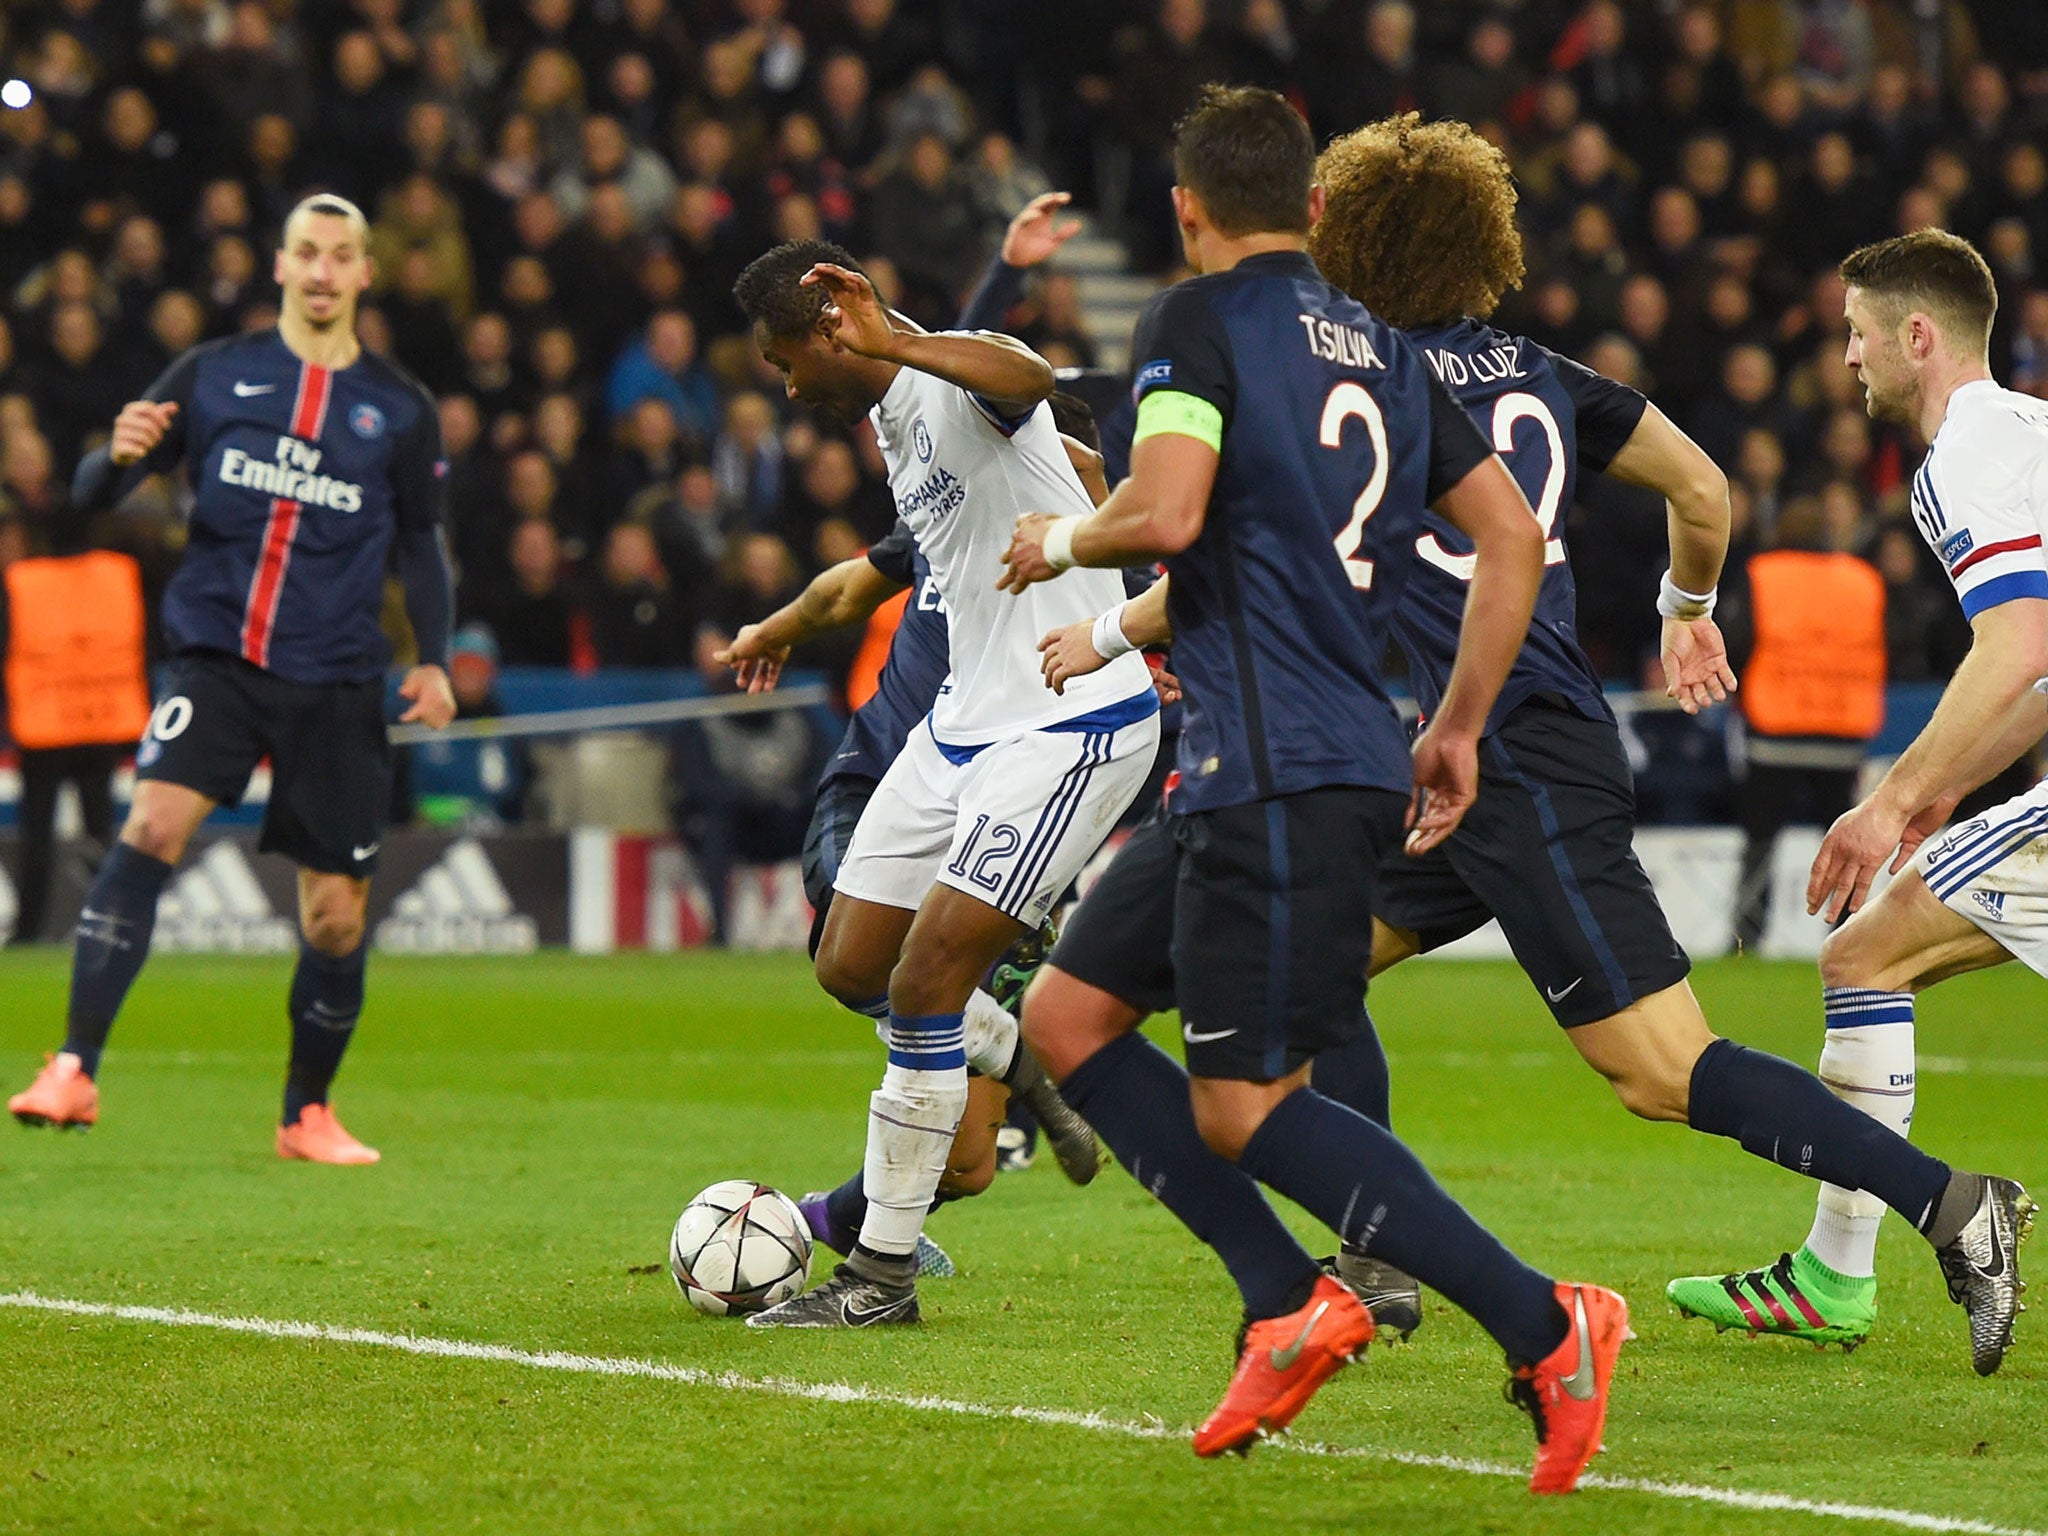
(303, 479)
(911, 677)
(1332, 435)
(1548, 417)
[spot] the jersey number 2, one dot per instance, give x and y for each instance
(1507, 411)
(1344, 402)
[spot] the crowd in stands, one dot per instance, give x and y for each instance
(562, 191)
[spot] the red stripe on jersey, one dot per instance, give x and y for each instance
(260, 622)
(273, 560)
(309, 410)
(2010, 546)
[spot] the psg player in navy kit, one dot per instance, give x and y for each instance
(315, 468)
(1287, 443)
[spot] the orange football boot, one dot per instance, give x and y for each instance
(62, 1095)
(1566, 1391)
(1283, 1362)
(317, 1137)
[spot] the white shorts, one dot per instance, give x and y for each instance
(1011, 823)
(1993, 870)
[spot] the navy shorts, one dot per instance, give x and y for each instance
(1120, 939)
(1256, 918)
(218, 716)
(833, 818)
(1549, 849)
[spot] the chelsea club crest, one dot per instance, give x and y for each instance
(921, 440)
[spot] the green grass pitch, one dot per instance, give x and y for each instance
(544, 1120)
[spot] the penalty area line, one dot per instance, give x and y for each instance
(844, 1392)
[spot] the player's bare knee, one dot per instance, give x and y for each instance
(849, 978)
(1064, 1022)
(334, 928)
(155, 833)
(1852, 955)
(964, 1183)
(1224, 1131)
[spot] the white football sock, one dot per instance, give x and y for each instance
(911, 1121)
(1867, 1061)
(991, 1036)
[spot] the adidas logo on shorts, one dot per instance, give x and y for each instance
(1993, 903)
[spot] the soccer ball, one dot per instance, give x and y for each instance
(740, 1247)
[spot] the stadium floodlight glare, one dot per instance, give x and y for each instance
(16, 93)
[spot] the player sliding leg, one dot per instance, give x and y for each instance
(1920, 308)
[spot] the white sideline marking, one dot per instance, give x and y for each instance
(843, 1392)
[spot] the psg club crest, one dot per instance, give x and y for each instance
(921, 440)
(366, 421)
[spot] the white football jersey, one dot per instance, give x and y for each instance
(961, 478)
(1981, 495)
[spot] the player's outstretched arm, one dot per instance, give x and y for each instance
(1489, 509)
(1078, 649)
(846, 594)
(1153, 515)
(1034, 237)
(1000, 369)
(1988, 715)
(1661, 458)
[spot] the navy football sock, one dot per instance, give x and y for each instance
(1785, 1115)
(327, 997)
(1377, 1196)
(111, 942)
(1136, 1097)
(1355, 1075)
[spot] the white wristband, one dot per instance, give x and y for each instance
(1059, 543)
(1110, 640)
(1674, 602)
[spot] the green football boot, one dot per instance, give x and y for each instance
(1798, 1296)
(1009, 977)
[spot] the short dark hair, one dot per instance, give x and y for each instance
(1073, 416)
(1930, 270)
(771, 293)
(1249, 157)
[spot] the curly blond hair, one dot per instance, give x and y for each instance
(1420, 222)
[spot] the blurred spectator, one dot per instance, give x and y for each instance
(661, 364)
(926, 223)
(531, 615)
(609, 158)
(635, 619)
(748, 464)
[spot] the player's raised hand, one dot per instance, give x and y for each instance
(1856, 847)
(1446, 784)
(139, 428)
(1696, 670)
(1036, 233)
(755, 660)
(854, 313)
(1024, 561)
(431, 695)
(1065, 654)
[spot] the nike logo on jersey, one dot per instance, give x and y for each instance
(1283, 1359)
(245, 389)
(365, 852)
(1558, 997)
(1580, 1384)
(1187, 1033)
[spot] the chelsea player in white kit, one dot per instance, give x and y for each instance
(1919, 308)
(1006, 790)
